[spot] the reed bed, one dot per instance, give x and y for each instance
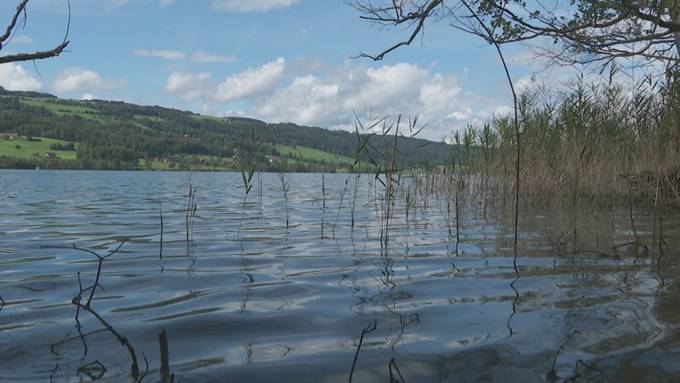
(593, 141)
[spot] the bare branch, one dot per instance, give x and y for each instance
(21, 8)
(418, 17)
(38, 55)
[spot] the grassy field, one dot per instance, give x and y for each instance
(30, 148)
(309, 154)
(61, 109)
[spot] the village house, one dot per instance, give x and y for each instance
(11, 136)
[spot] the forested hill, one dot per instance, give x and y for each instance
(119, 135)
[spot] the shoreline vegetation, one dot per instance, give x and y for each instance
(594, 139)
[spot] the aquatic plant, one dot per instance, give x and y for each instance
(247, 163)
(190, 212)
(285, 188)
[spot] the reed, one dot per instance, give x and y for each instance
(248, 164)
(596, 140)
(189, 214)
(323, 204)
(285, 188)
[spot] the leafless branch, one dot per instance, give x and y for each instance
(37, 55)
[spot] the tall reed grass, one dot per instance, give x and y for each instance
(596, 141)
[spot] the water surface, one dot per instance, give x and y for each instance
(246, 298)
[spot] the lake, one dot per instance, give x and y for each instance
(243, 297)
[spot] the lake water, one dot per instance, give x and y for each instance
(247, 299)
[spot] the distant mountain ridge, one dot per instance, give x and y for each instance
(120, 135)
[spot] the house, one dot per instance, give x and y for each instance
(50, 155)
(11, 136)
(187, 137)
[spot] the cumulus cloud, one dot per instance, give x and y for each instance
(82, 79)
(15, 77)
(252, 81)
(164, 54)
(307, 100)
(189, 86)
(402, 88)
(88, 97)
(250, 5)
(330, 99)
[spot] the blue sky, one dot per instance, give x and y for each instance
(277, 60)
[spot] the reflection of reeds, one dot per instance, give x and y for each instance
(398, 377)
(552, 374)
(367, 330)
(135, 371)
(166, 377)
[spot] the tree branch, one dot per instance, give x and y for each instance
(38, 55)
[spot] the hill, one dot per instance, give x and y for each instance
(118, 135)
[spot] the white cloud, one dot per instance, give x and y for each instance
(252, 81)
(388, 90)
(330, 99)
(204, 57)
(189, 86)
(15, 77)
(250, 5)
(164, 54)
(307, 101)
(82, 79)
(88, 97)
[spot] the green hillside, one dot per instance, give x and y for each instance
(22, 147)
(118, 135)
(304, 153)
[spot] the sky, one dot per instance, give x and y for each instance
(275, 60)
